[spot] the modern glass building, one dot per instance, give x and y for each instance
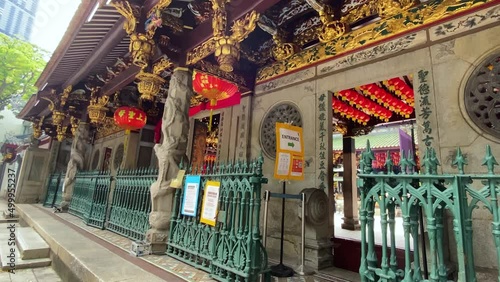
(17, 17)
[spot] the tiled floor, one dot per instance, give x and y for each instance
(44, 274)
(171, 265)
(167, 263)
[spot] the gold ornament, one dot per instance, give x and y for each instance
(74, 125)
(37, 128)
(149, 85)
(201, 51)
(141, 49)
(409, 20)
(141, 45)
(61, 132)
(162, 65)
(227, 48)
(97, 109)
(58, 117)
(281, 50)
(331, 28)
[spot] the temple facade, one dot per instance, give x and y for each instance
(203, 84)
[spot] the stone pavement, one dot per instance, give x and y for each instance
(116, 246)
(43, 274)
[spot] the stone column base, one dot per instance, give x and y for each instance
(64, 206)
(351, 224)
(319, 254)
(158, 240)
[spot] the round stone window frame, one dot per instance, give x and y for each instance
(266, 117)
(475, 67)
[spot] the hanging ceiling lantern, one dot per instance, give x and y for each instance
(130, 118)
(220, 92)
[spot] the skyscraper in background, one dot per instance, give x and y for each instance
(17, 17)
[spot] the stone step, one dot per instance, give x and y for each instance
(10, 214)
(12, 260)
(30, 244)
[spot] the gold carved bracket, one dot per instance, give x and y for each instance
(331, 29)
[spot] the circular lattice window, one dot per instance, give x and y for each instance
(117, 160)
(95, 160)
(285, 112)
(482, 96)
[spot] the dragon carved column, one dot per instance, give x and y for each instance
(76, 162)
(170, 152)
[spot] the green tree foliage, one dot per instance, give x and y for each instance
(20, 66)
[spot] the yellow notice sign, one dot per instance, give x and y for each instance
(210, 203)
(177, 182)
(289, 163)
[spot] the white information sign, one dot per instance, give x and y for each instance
(290, 140)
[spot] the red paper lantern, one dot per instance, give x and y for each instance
(221, 93)
(130, 118)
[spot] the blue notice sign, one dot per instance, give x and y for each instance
(191, 194)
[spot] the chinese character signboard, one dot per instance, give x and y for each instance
(289, 152)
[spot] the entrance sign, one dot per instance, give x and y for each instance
(210, 203)
(289, 152)
(191, 194)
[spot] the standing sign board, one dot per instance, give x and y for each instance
(289, 152)
(210, 203)
(191, 194)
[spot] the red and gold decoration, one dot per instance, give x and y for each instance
(220, 93)
(349, 112)
(386, 99)
(399, 86)
(364, 104)
(130, 118)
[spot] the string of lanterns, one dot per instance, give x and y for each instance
(384, 98)
(398, 86)
(349, 112)
(364, 104)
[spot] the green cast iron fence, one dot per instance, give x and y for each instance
(96, 214)
(430, 193)
(82, 192)
(232, 250)
(131, 203)
(52, 189)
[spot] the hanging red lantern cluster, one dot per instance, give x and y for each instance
(130, 118)
(398, 86)
(384, 98)
(381, 157)
(349, 112)
(364, 104)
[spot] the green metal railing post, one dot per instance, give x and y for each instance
(434, 192)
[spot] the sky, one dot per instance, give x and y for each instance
(52, 20)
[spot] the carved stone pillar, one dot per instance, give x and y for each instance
(76, 162)
(350, 190)
(170, 152)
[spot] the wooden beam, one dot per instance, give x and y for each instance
(81, 15)
(121, 80)
(236, 9)
(109, 42)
